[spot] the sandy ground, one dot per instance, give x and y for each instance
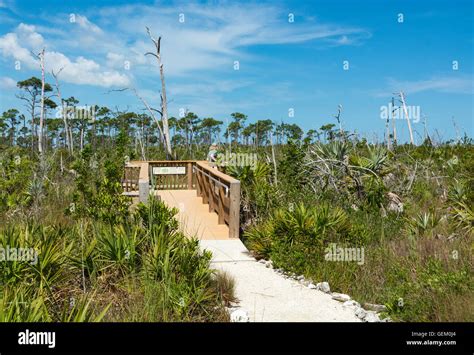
(269, 297)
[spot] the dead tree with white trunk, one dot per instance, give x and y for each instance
(63, 109)
(387, 132)
(394, 126)
(150, 110)
(40, 56)
(402, 98)
(338, 118)
(164, 108)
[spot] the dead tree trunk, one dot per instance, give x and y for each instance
(150, 110)
(71, 139)
(394, 127)
(338, 118)
(142, 141)
(412, 141)
(164, 105)
(81, 142)
(33, 126)
(41, 123)
(387, 131)
(458, 136)
(63, 109)
(427, 134)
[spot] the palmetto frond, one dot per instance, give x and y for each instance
(464, 214)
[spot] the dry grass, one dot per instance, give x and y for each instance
(225, 286)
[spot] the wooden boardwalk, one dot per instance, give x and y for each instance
(208, 200)
(194, 217)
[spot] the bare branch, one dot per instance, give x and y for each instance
(149, 33)
(150, 109)
(115, 90)
(153, 54)
(55, 75)
(154, 109)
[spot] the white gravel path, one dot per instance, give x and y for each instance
(269, 297)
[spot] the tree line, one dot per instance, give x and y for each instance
(69, 125)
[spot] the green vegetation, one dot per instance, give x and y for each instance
(410, 209)
(102, 258)
(99, 257)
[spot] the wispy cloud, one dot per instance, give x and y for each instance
(206, 36)
(94, 46)
(207, 87)
(22, 44)
(447, 84)
(7, 83)
(85, 24)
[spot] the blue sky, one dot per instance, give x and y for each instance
(283, 65)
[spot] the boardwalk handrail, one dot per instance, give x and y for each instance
(197, 168)
(210, 186)
(131, 177)
(219, 190)
(169, 180)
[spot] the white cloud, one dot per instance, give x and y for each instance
(115, 60)
(445, 84)
(28, 37)
(85, 24)
(212, 36)
(84, 71)
(19, 45)
(7, 83)
(345, 40)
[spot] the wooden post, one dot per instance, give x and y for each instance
(198, 183)
(143, 191)
(190, 176)
(234, 210)
(220, 210)
(211, 195)
(143, 183)
(205, 190)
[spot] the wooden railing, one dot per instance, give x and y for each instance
(220, 191)
(130, 178)
(172, 175)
